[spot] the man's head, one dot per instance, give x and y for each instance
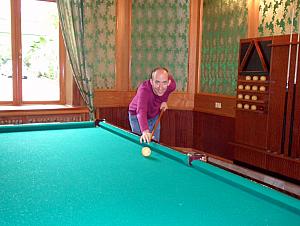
(160, 80)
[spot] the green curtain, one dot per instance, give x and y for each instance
(71, 15)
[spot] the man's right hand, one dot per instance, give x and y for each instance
(146, 136)
(163, 106)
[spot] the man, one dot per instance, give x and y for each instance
(151, 97)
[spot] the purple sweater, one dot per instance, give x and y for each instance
(146, 105)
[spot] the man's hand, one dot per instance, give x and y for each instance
(146, 136)
(163, 106)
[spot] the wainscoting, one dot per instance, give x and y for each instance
(213, 133)
(42, 114)
(185, 129)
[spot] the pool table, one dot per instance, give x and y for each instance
(93, 173)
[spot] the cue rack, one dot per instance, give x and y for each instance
(268, 105)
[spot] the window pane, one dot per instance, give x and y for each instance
(6, 85)
(40, 51)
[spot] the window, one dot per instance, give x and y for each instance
(32, 57)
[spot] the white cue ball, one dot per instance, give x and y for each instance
(146, 151)
(253, 107)
(248, 77)
(254, 88)
(262, 88)
(263, 78)
(239, 105)
(254, 97)
(246, 106)
(255, 78)
(240, 87)
(247, 87)
(247, 97)
(240, 96)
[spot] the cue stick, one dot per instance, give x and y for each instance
(287, 86)
(294, 91)
(156, 123)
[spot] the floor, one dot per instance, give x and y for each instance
(275, 183)
(284, 186)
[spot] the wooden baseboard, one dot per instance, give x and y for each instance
(187, 150)
(25, 114)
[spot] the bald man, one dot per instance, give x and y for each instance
(151, 97)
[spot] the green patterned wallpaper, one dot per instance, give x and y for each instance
(160, 37)
(100, 25)
(225, 22)
(275, 16)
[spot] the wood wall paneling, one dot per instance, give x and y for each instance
(181, 101)
(115, 115)
(194, 49)
(168, 129)
(198, 131)
(185, 128)
(207, 103)
(284, 166)
(253, 18)
(176, 125)
(111, 98)
(250, 155)
(123, 44)
(177, 128)
(213, 134)
(77, 99)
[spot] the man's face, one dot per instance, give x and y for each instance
(160, 82)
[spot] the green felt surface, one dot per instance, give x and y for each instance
(97, 176)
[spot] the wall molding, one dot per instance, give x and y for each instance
(206, 103)
(178, 101)
(113, 98)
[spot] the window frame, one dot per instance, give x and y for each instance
(16, 46)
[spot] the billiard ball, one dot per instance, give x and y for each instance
(246, 106)
(253, 107)
(255, 78)
(254, 97)
(263, 78)
(240, 87)
(254, 88)
(262, 88)
(239, 105)
(248, 77)
(247, 87)
(146, 151)
(247, 97)
(240, 96)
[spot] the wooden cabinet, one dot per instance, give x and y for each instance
(267, 107)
